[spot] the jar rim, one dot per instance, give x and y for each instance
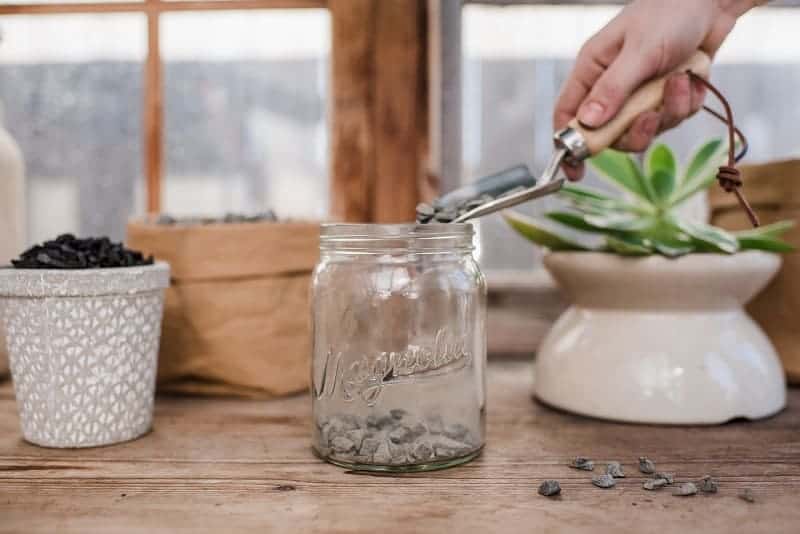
(411, 237)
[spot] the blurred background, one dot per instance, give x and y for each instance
(225, 106)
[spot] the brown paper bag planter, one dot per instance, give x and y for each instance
(3, 352)
(236, 317)
(774, 192)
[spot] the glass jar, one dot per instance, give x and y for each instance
(399, 347)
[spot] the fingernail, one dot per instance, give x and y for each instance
(591, 114)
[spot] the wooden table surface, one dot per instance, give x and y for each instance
(230, 465)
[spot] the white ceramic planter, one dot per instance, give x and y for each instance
(83, 349)
(654, 340)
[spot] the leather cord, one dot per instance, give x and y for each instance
(728, 176)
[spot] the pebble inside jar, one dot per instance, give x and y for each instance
(399, 347)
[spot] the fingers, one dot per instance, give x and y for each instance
(677, 101)
(573, 171)
(628, 71)
(698, 93)
(682, 98)
(592, 61)
(641, 133)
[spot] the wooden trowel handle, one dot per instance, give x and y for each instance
(648, 97)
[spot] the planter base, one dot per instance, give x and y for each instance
(660, 366)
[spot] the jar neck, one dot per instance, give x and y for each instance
(396, 239)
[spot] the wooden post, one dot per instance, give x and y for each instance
(379, 115)
(153, 116)
(352, 137)
(399, 108)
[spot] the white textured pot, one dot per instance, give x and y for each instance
(656, 340)
(83, 348)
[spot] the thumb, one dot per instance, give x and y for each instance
(627, 72)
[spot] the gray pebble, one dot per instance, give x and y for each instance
(665, 476)
(401, 434)
(747, 495)
(425, 210)
(384, 440)
(654, 483)
(356, 436)
(646, 466)
(435, 425)
(342, 444)
(708, 484)
(447, 214)
(398, 413)
(369, 446)
(456, 431)
(615, 470)
(379, 423)
(685, 490)
(549, 488)
(422, 451)
(453, 444)
(382, 455)
(584, 464)
(604, 481)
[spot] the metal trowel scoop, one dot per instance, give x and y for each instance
(573, 143)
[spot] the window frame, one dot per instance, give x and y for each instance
(378, 98)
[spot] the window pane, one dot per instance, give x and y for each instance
(516, 58)
(71, 89)
(245, 108)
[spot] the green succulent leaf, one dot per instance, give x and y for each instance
(771, 244)
(541, 233)
(628, 245)
(583, 192)
(672, 248)
(592, 200)
(701, 172)
(661, 158)
(663, 184)
(620, 170)
(573, 220)
(709, 238)
(705, 156)
(774, 230)
(766, 237)
(619, 221)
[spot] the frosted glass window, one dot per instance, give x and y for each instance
(245, 110)
(71, 90)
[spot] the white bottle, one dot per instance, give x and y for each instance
(12, 196)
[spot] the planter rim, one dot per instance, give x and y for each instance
(42, 283)
(696, 281)
(663, 262)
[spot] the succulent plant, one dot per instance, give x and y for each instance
(644, 219)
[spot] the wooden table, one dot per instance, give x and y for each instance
(229, 465)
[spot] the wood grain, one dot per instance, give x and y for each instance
(352, 138)
(153, 121)
(226, 465)
(379, 111)
(399, 101)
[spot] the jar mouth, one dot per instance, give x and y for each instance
(409, 237)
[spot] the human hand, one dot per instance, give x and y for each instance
(648, 38)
